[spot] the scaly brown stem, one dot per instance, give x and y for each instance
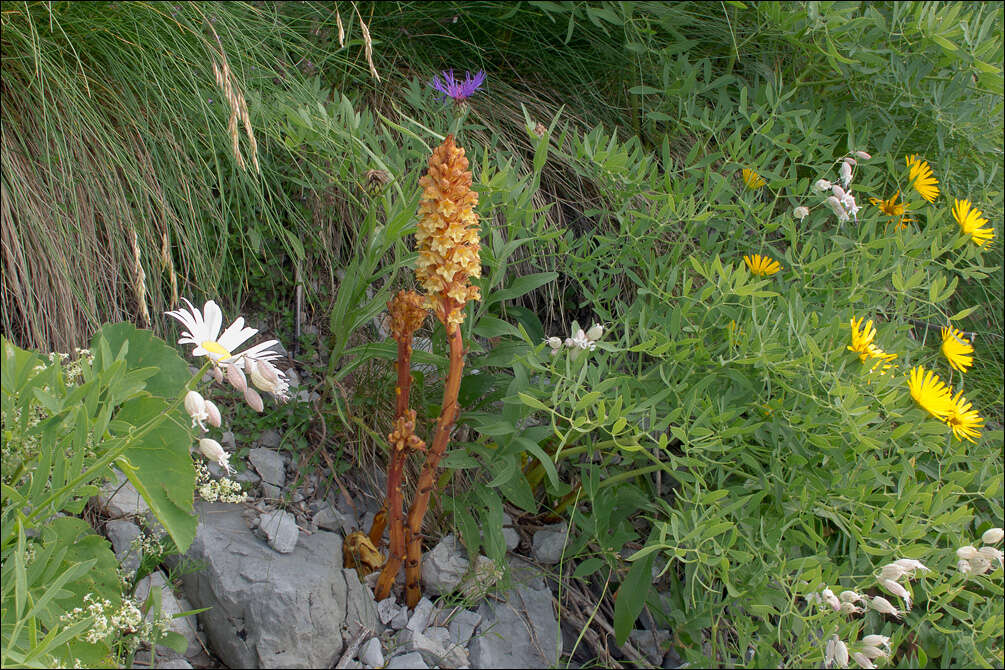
(448, 415)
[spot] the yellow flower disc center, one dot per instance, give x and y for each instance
(214, 347)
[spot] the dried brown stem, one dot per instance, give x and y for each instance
(427, 479)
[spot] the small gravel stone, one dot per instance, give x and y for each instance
(412, 659)
(270, 439)
(549, 543)
(371, 654)
(386, 609)
(281, 529)
(399, 620)
(462, 626)
(269, 465)
(420, 616)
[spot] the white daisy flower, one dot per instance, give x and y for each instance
(203, 330)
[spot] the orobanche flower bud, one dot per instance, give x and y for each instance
(861, 659)
(993, 536)
(195, 405)
(595, 333)
(822, 186)
(884, 606)
(967, 553)
(212, 450)
(800, 213)
(213, 414)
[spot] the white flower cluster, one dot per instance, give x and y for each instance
(974, 561)
(870, 648)
(580, 341)
(223, 489)
(889, 575)
(105, 622)
(841, 200)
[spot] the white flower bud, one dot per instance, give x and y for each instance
(253, 399)
(838, 191)
(837, 208)
(873, 652)
(554, 342)
(863, 155)
(217, 374)
(236, 378)
(896, 589)
(991, 554)
(800, 213)
(822, 186)
(213, 414)
(212, 450)
(850, 597)
(831, 599)
(836, 652)
(963, 565)
(891, 571)
(862, 660)
(910, 565)
(195, 405)
(845, 174)
(993, 536)
(849, 160)
(883, 606)
(595, 333)
(967, 553)
(850, 608)
(876, 641)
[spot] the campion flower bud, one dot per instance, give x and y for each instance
(253, 399)
(850, 597)
(837, 208)
(896, 589)
(800, 213)
(862, 660)
(891, 571)
(212, 450)
(831, 599)
(873, 652)
(838, 191)
(910, 565)
(236, 378)
(967, 553)
(850, 608)
(963, 565)
(554, 342)
(195, 405)
(836, 652)
(849, 160)
(822, 186)
(991, 554)
(993, 536)
(884, 606)
(863, 155)
(217, 374)
(595, 333)
(213, 414)
(876, 641)
(845, 174)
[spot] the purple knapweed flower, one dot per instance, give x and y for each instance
(458, 90)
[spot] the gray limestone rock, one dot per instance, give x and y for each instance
(371, 654)
(410, 661)
(329, 518)
(271, 491)
(652, 643)
(269, 465)
(270, 439)
(435, 648)
(120, 499)
(170, 606)
(386, 609)
(399, 620)
(444, 566)
(273, 610)
(247, 476)
(121, 533)
(520, 632)
(549, 542)
(462, 626)
(510, 535)
(420, 616)
(280, 529)
(174, 664)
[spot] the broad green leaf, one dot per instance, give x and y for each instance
(145, 351)
(631, 597)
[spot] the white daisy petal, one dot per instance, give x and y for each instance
(236, 335)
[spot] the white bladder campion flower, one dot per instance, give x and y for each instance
(991, 554)
(195, 405)
(822, 186)
(896, 589)
(850, 597)
(595, 332)
(891, 571)
(213, 414)
(845, 170)
(831, 599)
(910, 566)
(835, 204)
(800, 213)
(203, 330)
(993, 536)
(863, 155)
(212, 450)
(876, 641)
(266, 377)
(884, 606)
(836, 652)
(967, 553)
(862, 660)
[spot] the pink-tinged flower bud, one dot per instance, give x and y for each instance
(967, 553)
(195, 405)
(836, 652)
(213, 414)
(876, 641)
(800, 213)
(831, 599)
(845, 174)
(873, 652)
(595, 333)
(850, 608)
(891, 571)
(850, 597)
(910, 565)
(837, 208)
(253, 399)
(554, 342)
(849, 160)
(822, 186)
(863, 155)
(236, 378)
(267, 370)
(217, 374)
(993, 536)
(896, 589)
(862, 660)
(212, 450)
(991, 554)
(838, 191)
(883, 606)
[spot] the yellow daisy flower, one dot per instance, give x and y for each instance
(762, 265)
(894, 209)
(921, 178)
(965, 422)
(956, 349)
(972, 223)
(753, 180)
(861, 342)
(930, 393)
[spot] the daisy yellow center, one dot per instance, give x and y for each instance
(214, 347)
